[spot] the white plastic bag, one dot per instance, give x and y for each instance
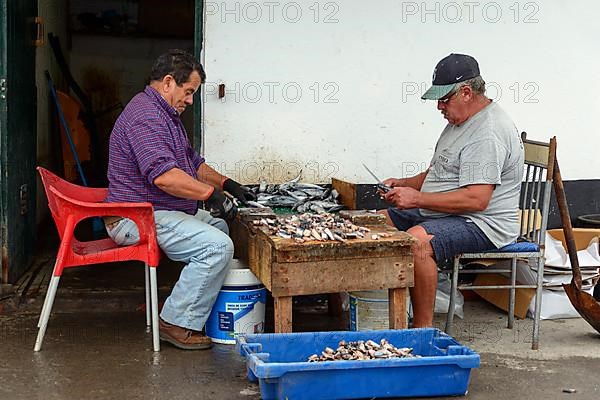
(442, 298)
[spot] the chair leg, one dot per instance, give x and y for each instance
(147, 290)
(45, 306)
(47, 297)
(538, 304)
(512, 292)
(154, 296)
(453, 292)
(43, 324)
(43, 310)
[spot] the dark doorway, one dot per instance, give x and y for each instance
(18, 136)
(115, 39)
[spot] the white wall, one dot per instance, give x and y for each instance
(374, 60)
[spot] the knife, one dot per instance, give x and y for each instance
(380, 185)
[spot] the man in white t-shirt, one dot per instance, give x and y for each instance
(467, 200)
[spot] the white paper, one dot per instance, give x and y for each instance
(555, 305)
(557, 270)
(556, 255)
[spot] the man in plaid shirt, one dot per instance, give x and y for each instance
(151, 160)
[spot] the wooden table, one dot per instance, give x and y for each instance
(288, 268)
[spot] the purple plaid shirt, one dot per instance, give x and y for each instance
(148, 140)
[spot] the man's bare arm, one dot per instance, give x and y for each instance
(179, 184)
(415, 182)
(472, 198)
(210, 176)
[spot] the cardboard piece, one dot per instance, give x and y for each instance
(499, 297)
(552, 302)
(583, 236)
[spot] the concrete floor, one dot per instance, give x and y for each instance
(107, 355)
(97, 347)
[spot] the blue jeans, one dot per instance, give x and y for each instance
(200, 241)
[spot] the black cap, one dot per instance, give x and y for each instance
(451, 70)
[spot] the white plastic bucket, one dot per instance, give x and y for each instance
(369, 310)
(240, 306)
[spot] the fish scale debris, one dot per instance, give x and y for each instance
(363, 350)
(310, 226)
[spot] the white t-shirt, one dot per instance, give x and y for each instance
(485, 149)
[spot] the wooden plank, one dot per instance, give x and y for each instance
(260, 260)
(283, 314)
(243, 232)
(536, 153)
(363, 217)
(347, 191)
(397, 307)
(331, 276)
(238, 232)
(375, 249)
(356, 196)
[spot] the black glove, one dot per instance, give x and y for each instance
(220, 206)
(240, 192)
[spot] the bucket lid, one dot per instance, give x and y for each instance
(241, 277)
(370, 294)
(238, 264)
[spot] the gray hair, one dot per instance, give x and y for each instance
(476, 84)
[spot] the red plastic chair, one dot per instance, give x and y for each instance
(69, 205)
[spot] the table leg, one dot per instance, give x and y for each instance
(397, 302)
(283, 314)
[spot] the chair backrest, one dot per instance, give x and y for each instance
(68, 189)
(534, 200)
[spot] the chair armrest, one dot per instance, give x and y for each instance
(103, 209)
(140, 213)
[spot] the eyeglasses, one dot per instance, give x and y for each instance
(447, 98)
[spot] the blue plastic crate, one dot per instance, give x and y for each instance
(278, 362)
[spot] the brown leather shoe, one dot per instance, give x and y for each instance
(183, 338)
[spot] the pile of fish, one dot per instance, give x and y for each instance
(310, 226)
(301, 197)
(363, 350)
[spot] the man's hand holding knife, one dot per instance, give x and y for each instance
(402, 197)
(394, 192)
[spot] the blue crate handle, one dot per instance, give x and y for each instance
(244, 348)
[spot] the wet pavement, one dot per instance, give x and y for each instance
(107, 355)
(97, 347)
